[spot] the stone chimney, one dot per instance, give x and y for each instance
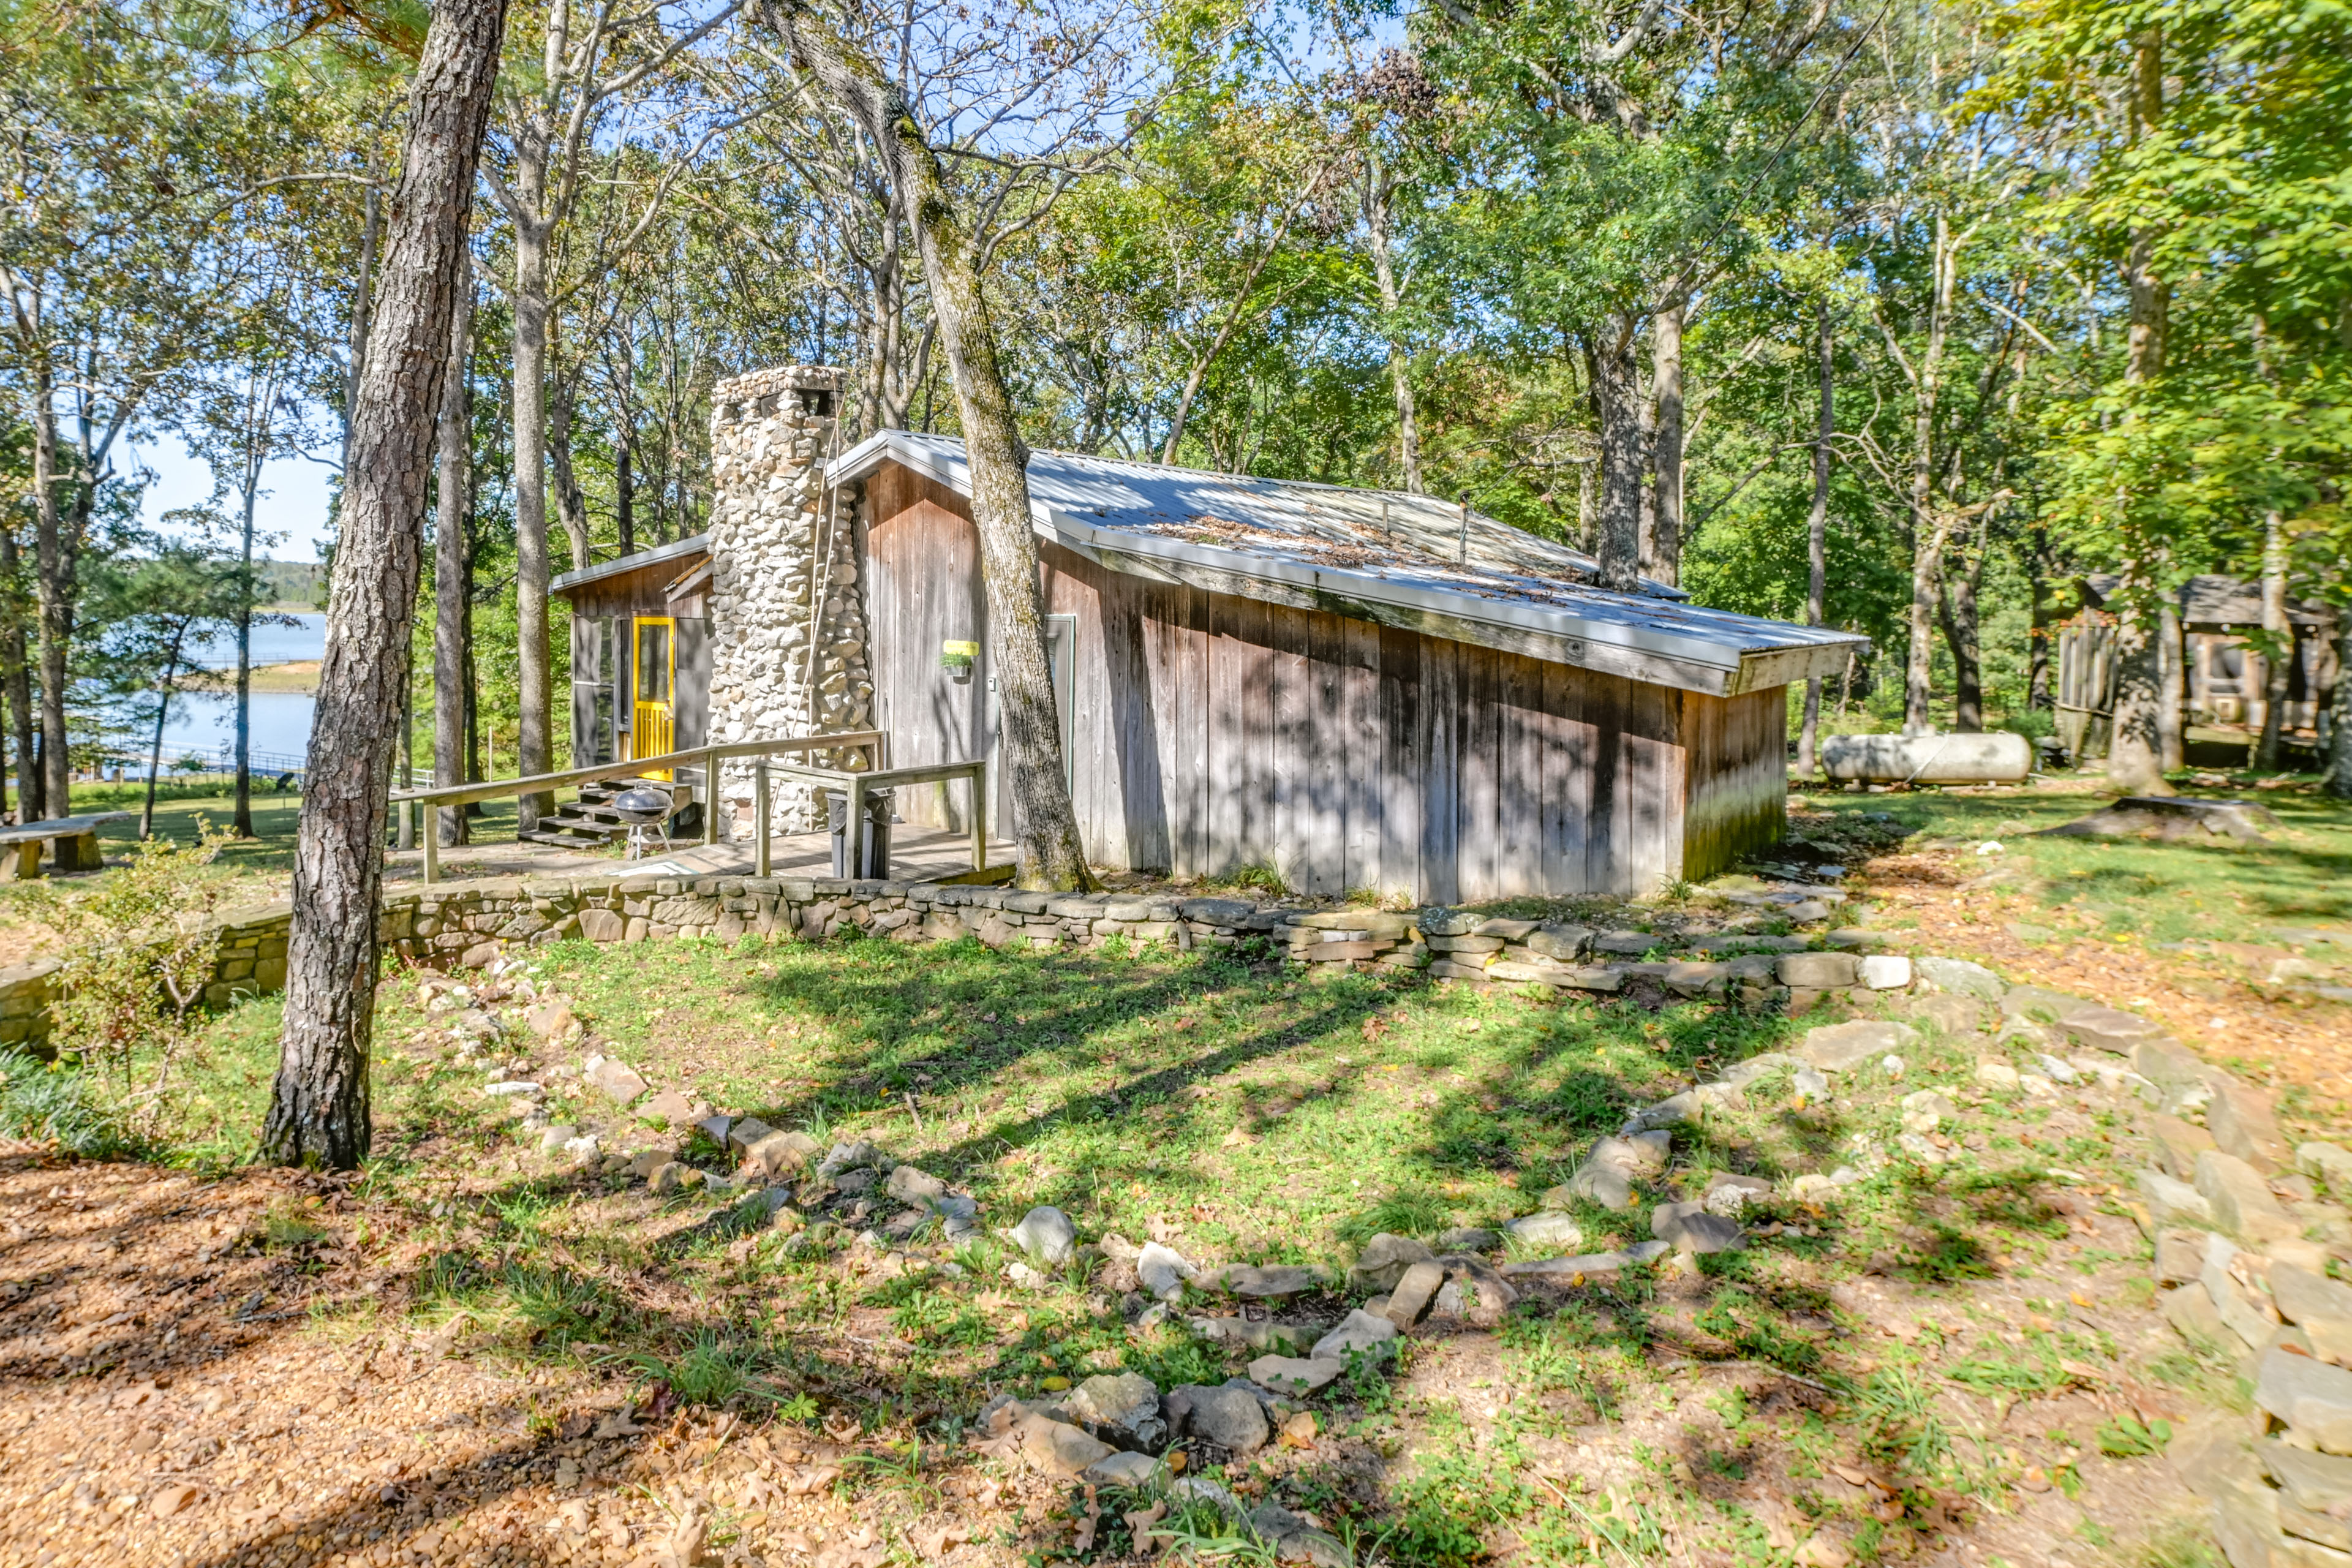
(788, 631)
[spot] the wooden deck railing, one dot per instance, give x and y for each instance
(705, 760)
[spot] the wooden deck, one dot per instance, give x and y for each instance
(916, 855)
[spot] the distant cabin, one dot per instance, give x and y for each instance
(1351, 689)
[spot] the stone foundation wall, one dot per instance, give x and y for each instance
(784, 576)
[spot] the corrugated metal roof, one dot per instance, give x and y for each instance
(2212, 600)
(1384, 554)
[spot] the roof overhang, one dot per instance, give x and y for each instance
(1556, 635)
(621, 565)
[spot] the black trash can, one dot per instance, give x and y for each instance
(874, 853)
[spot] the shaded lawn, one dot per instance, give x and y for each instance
(2177, 891)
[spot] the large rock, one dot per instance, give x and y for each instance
(2320, 1482)
(1560, 944)
(1995, 756)
(2171, 1202)
(1121, 1408)
(2240, 1118)
(615, 1080)
(2035, 1001)
(1383, 1261)
(1269, 1282)
(2331, 1162)
(1610, 1170)
(1886, 972)
(1415, 1289)
(1046, 1236)
(1136, 1472)
(1958, 976)
(914, 1187)
(2110, 1029)
(2312, 1398)
(1688, 1227)
(780, 1153)
(1840, 1047)
(1163, 1270)
(1294, 1375)
(2177, 1144)
(1948, 1012)
(1228, 1416)
(2177, 1072)
(1358, 1331)
(1058, 1447)
(742, 1132)
(2241, 1201)
(1817, 970)
(671, 1109)
(2320, 1307)
(1548, 1230)
(1296, 1542)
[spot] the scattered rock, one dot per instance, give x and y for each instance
(670, 1107)
(2241, 1201)
(742, 1132)
(2035, 1001)
(910, 1186)
(1046, 1235)
(1549, 1228)
(1230, 1417)
(551, 1019)
(1817, 970)
(1358, 1331)
(1949, 1014)
(1886, 971)
(2312, 1398)
(2180, 1257)
(1414, 1291)
(2171, 1202)
(778, 1152)
(1058, 1447)
(2240, 1118)
(1468, 1238)
(1163, 1270)
(1122, 1409)
(1136, 1472)
(1560, 944)
(1962, 977)
(2177, 1144)
(1294, 1375)
(2108, 1029)
(1268, 1283)
(1383, 1261)
(1998, 1076)
(2320, 1307)
(1838, 1047)
(615, 1080)
(1688, 1227)
(1610, 1170)
(2330, 1163)
(1811, 1084)
(672, 1177)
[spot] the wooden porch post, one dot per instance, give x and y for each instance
(857, 830)
(979, 817)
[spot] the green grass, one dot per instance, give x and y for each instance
(2160, 893)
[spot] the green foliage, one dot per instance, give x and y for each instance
(134, 956)
(50, 1101)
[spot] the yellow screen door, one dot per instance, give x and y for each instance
(656, 711)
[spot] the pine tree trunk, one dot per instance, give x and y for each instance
(17, 675)
(1817, 535)
(452, 495)
(319, 1105)
(53, 563)
(2279, 632)
(1616, 387)
(571, 506)
(2136, 760)
(1047, 828)
(1930, 527)
(1379, 189)
(535, 675)
(624, 496)
(241, 820)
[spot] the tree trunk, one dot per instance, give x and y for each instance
(625, 494)
(536, 675)
(2136, 760)
(570, 504)
(1378, 190)
(1817, 533)
(1930, 528)
(54, 560)
(241, 820)
(2280, 634)
(17, 676)
(1666, 554)
(1051, 855)
(319, 1105)
(2171, 725)
(2337, 777)
(2038, 695)
(1957, 608)
(1618, 526)
(452, 498)
(155, 746)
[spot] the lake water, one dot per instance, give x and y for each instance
(206, 721)
(271, 645)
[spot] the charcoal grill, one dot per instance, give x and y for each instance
(648, 812)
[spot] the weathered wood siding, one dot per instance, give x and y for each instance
(1214, 731)
(1737, 777)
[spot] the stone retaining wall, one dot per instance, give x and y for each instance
(466, 924)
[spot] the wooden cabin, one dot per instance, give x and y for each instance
(1350, 688)
(640, 653)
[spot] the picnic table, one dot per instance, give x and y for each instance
(76, 841)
